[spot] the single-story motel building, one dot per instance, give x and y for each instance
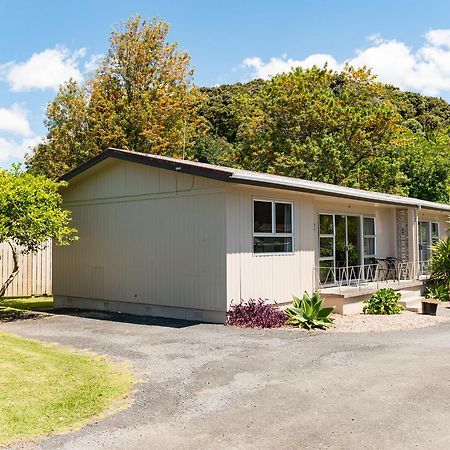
(174, 238)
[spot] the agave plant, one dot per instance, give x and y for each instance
(308, 313)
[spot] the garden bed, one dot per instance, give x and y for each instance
(370, 323)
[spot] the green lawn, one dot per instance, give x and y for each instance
(48, 388)
(19, 308)
(29, 303)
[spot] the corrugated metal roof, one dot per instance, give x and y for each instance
(239, 176)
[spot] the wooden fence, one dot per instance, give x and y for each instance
(35, 272)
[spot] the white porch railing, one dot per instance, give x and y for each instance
(358, 276)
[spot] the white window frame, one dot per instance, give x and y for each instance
(369, 236)
(274, 226)
(328, 236)
(362, 235)
(438, 231)
(429, 225)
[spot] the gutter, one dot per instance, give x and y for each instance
(293, 186)
(229, 175)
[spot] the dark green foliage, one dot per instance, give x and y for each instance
(437, 292)
(387, 140)
(384, 301)
(213, 150)
(308, 312)
(342, 127)
(440, 263)
(219, 107)
(429, 113)
(426, 163)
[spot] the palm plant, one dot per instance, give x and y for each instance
(440, 263)
(437, 293)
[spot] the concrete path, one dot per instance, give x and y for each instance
(211, 387)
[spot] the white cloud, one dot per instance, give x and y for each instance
(44, 70)
(93, 62)
(277, 65)
(15, 149)
(14, 120)
(438, 37)
(16, 135)
(426, 69)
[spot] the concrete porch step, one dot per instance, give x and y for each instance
(413, 304)
(346, 292)
(349, 299)
(407, 295)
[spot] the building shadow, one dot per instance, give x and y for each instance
(122, 317)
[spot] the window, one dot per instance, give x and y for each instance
(326, 248)
(344, 241)
(434, 232)
(369, 237)
(428, 235)
(272, 227)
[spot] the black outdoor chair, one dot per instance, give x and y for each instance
(387, 268)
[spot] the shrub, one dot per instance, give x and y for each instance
(308, 312)
(256, 314)
(384, 301)
(440, 263)
(437, 292)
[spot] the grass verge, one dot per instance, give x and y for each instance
(48, 389)
(22, 308)
(29, 303)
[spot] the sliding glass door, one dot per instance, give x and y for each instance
(327, 248)
(345, 241)
(428, 235)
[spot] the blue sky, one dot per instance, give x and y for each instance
(43, 42)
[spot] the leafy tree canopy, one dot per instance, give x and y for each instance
(338, 127)
(30, 214)
(317, 124)
(141, 98)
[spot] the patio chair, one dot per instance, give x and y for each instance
(394, 266)
(389, 268)
(383, 269)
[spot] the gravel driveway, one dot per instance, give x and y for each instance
(210, 387)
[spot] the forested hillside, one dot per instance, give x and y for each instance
(343, 128)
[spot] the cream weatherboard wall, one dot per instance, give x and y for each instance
(433, 216)
(273, 277)
(279, 276)
(152, 241)
(160, 242)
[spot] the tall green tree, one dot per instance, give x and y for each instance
(30, 215)
(69, 141)
(218, 109)
(141, 98)
(426, 164)
(317, 124)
